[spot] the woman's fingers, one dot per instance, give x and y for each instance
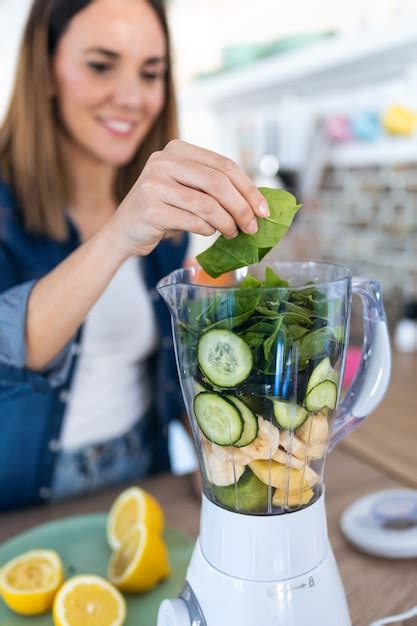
(199, 203)
(186, 188)
(216, 187)
(174, 220)
(227, 167)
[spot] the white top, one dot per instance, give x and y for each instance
(111, 386)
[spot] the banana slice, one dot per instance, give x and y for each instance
(230, 454)
(289, 460)
(265, 444)
(317, 451)
(220, 473)
(315, 430)
(292, 444)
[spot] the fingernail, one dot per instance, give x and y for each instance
(252, 227)
(263, 209)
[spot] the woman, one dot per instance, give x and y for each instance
(94, 195)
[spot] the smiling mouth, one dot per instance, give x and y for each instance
(120, 127)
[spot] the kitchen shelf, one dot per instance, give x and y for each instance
(342, 60)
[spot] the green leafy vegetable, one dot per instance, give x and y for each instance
(273, 280)
(282, 206)
(317, 341)
(226, 255)
(249, 282)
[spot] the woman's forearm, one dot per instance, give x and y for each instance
(60, 301)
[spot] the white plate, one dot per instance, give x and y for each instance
(383, 523)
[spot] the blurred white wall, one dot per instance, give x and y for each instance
(12, 17)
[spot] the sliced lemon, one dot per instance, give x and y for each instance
(132, 506)
(29, 582)
(141, 562)
(88, 601)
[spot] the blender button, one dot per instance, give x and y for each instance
(45, 493)
(174, 613)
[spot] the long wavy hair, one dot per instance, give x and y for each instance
(30, 160)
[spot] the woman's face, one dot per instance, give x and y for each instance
(109, 78)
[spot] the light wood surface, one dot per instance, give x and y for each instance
(388, 438)
(380, 455)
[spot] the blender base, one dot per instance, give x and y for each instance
(238, 577)
(316, 597)
(210, 598)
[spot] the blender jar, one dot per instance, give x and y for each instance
(261, 362)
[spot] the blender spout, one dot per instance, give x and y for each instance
(168, 289)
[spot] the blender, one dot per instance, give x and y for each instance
(261, 360)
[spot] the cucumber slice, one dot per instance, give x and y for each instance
(322, 395)
(250, 423)
(323, 371)
(248, 495)
(219, 419)
(288, 415)
(224, 357)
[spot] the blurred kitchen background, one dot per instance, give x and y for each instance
(317, 96)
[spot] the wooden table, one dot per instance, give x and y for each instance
(388, 438)
(375, 587)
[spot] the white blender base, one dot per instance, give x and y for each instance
(260, 571)
(315, 598)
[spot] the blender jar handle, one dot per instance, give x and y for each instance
(371, 380)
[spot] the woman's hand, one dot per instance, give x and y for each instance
(186, 188)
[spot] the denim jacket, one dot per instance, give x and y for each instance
(32, 404)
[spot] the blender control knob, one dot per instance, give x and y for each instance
(173, 613)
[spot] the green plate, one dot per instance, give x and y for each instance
(81, 543)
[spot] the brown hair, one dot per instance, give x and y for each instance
(29, 157)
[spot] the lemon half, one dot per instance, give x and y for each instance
(132, 506)
(141, 562)
(88, 601)
(29, 582)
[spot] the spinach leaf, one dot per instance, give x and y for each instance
(229, 323)
(295, 331)
(283, 207)
(253, 339)
(263, 252)
(246, 300)
(268, 343)
(265, 327)
(226, 255)
(296, 318)
(317, 342)
(250, 282)
(230, 254)
(272, 279)
(298, 312)
(267, 312)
